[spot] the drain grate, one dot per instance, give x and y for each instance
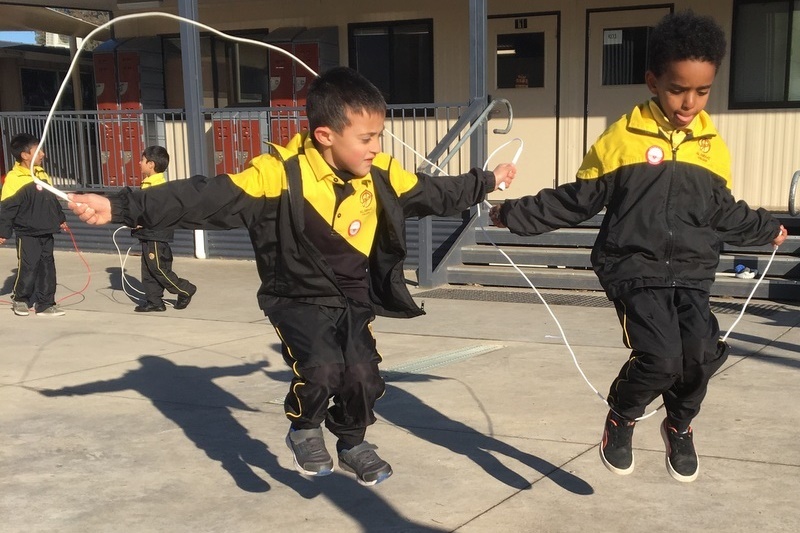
(723, 307)
(419, 366)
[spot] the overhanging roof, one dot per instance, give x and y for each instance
(17, 17)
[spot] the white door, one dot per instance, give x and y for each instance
(522, 68)
(616, 65)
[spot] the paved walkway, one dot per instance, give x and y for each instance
(118, 421)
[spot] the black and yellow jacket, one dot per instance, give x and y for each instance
(147, 234)
(668, 204)
(270, 197)
(26, 208)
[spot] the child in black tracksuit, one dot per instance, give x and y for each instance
(326, 216)
(34, 214)
(157, 273)
(662, 173)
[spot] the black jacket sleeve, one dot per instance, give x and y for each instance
(195, 203)
(550, 209)
(739, 225)
(446, 195)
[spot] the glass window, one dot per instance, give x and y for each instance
(40, 86)
(397, 57)
(520, 60)
(625, 55)
(765, 54)
(233, 73)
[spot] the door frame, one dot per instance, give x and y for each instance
(589, 12)
(532, 14)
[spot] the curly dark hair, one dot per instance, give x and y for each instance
(684, 35)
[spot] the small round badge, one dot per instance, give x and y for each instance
(655, 155)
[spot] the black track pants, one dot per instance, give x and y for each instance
(675, 345)
(36, 271)
(157, 273)
(333, 356)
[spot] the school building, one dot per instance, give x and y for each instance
(462, 78)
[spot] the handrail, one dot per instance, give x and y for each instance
(455, 131)
(425, 270)
(793, 210)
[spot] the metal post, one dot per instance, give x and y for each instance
(193, 100)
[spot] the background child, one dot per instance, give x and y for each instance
(662, 173)
(34, 215)
(157, 273)
(326, 215)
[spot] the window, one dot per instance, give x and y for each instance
(625, 55)
(40, 86)
(520, 60)
(765, 54)
(234, 74)
(397, 57)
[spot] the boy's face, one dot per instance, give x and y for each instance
(27, 157)
(682, 89)
(147, 167)
(355, 147)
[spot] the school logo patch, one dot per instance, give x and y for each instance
(705, 145)
(354, 228)
(366, 199)
(654, 155)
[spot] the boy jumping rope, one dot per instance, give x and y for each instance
(326, 216)
(662, 173)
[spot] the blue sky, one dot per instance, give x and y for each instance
(26, 37)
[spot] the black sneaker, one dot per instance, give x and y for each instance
(362, 461)
(616, 449)
(150, 308)
(185, 299)
(682, 461)
(309, 453)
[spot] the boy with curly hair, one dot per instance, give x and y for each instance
(662, 173)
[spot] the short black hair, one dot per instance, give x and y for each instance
(684, 35)
(158, 155)
(336, 91)
(22, 143)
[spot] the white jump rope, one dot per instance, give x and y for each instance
(64, 196)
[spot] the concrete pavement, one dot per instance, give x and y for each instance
(119, 421)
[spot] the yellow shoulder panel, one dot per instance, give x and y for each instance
(265, 176)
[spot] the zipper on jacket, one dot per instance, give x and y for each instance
(669, 213)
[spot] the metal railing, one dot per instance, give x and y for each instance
(102, 149)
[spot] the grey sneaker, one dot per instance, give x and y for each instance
(362, 461)
(53, 310)
(20, 308)
(309, 453)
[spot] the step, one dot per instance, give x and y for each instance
(784, 266)
(562, 278)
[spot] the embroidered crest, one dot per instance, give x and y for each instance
(655, 155)
(366, 199)
(354, 228)
(705, 145)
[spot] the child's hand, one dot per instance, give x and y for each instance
(504, 174)
(64, 226)
(780, 238)
(91, 208)
(494, 216)
(2, 240)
